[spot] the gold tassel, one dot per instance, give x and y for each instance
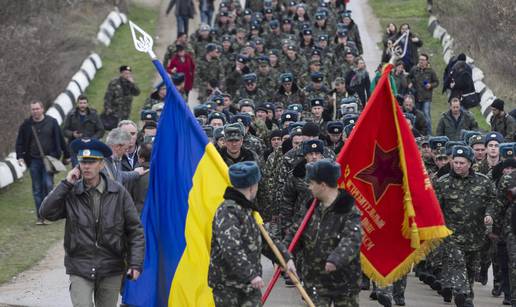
(414, 236)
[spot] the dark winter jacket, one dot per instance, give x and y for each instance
(90, 127)
(451, 128)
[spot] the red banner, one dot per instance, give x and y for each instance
(382, 168)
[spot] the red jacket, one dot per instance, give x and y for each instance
(187, 67)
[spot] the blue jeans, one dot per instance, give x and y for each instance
(182, 24)
(207, 17)
(424, 107)
(42, 182)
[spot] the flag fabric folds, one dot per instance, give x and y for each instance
(382, 168)
(187, 182)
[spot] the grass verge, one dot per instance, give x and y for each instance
(414, 13)
(22, 242)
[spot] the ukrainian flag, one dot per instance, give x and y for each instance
(187, 184)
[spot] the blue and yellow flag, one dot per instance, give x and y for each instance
(187, 183)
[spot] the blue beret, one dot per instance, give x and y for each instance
(90, 149)
(244, 174)
(243, 118)
(335, 127)
(437, 142)
(463, 151)
(324, 170)
(313, 146)
(507, 150)
(494, 136)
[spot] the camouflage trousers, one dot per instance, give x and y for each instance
(459, 268)
(233, 297)
(396, 290)
(511, 252)
(488, 256)
(337, 301)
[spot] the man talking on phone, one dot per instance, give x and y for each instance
(103, 235)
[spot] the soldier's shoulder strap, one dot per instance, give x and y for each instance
(443, 178)
(482, 176)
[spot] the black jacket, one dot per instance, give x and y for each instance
(96, 249)
(91, 127)
(26, 137)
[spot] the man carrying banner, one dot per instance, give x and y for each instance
(331, 241)
(468, 200)
(236, 246)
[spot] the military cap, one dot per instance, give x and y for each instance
(246, 102)
(148, 115)
(204, 28)
(244, 174)
(226, 38)
(494, 136)
(349, 108)
(324, 37)
(242, 59)
(270, 106)
(348, 129)
(259, 41)
(316, 76)
(317, 102)
(249, 78)
(324, 170)
(507, 150)
(287, 21)
(290, 116)
(210, 105)
(349, 119)
(320, 15)
(296, 131)
(339, 80)
(261, 107)
(178, 78)
(286, 77)
(263, 59)
(248, 12)
(422, 140)
(211, 47)
(276, 133)
(335, 127)
(219, 100)
(476, 139)
(201, 110)
(316, 51)
(125, 68)
(295, 107)
(243, 118)
(441, 152)
(467, 134)
(498, 104)
(224, 13)
(307, 32)
(438, 141)
(342, 33)
(215, 115)
(449, 146)
(218, 133)
(150, 125)
(291, 47)
(315, 62)
(234, 131)
(463, 151)
(158, 106)
(313, 146)
(273, 52)
(346, 13)
(311, 129)
(90, 150)
(254, 26)
(274, 24)
(258, 17)
(268, 11)
(208, 130)
(295, 125)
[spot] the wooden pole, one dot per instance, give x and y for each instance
(283, 264)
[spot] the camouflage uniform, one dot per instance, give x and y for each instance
(206, 71)
(258, 95)
(333, 234)
(296, 67)
(256, 145)
(464, 201)
(245, 155)
(267, 83)
(236, 248)
(119, 97)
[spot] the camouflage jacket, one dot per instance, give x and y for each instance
(254, 144)
(506, 125)
(267, 83)
(236, 244)
(206, 71)
(333, 234)
(503, 216)
(482, 167)
(296, 67)
(258, 95)
(268, 208)
(464, 202)
(295, 197)
(119, 97)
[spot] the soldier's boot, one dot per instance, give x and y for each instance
(506, 299)
(497, 290)
(373, 295)
(482, 278)
(399, 300)
(460, 300)
(447, 294)
(436, 285)
(384, 300)
(365, 285)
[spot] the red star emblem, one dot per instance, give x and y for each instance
(383, 171)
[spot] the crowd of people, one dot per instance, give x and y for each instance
(281, 85)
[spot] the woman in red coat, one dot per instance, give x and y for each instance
(183, 62)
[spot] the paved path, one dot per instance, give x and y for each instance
(46, 285)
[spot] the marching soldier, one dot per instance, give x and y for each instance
(119, 94)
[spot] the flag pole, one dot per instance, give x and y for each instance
(291, 247)
(281, 260)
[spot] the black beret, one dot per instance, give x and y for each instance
(125, 67)
(149, 115)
